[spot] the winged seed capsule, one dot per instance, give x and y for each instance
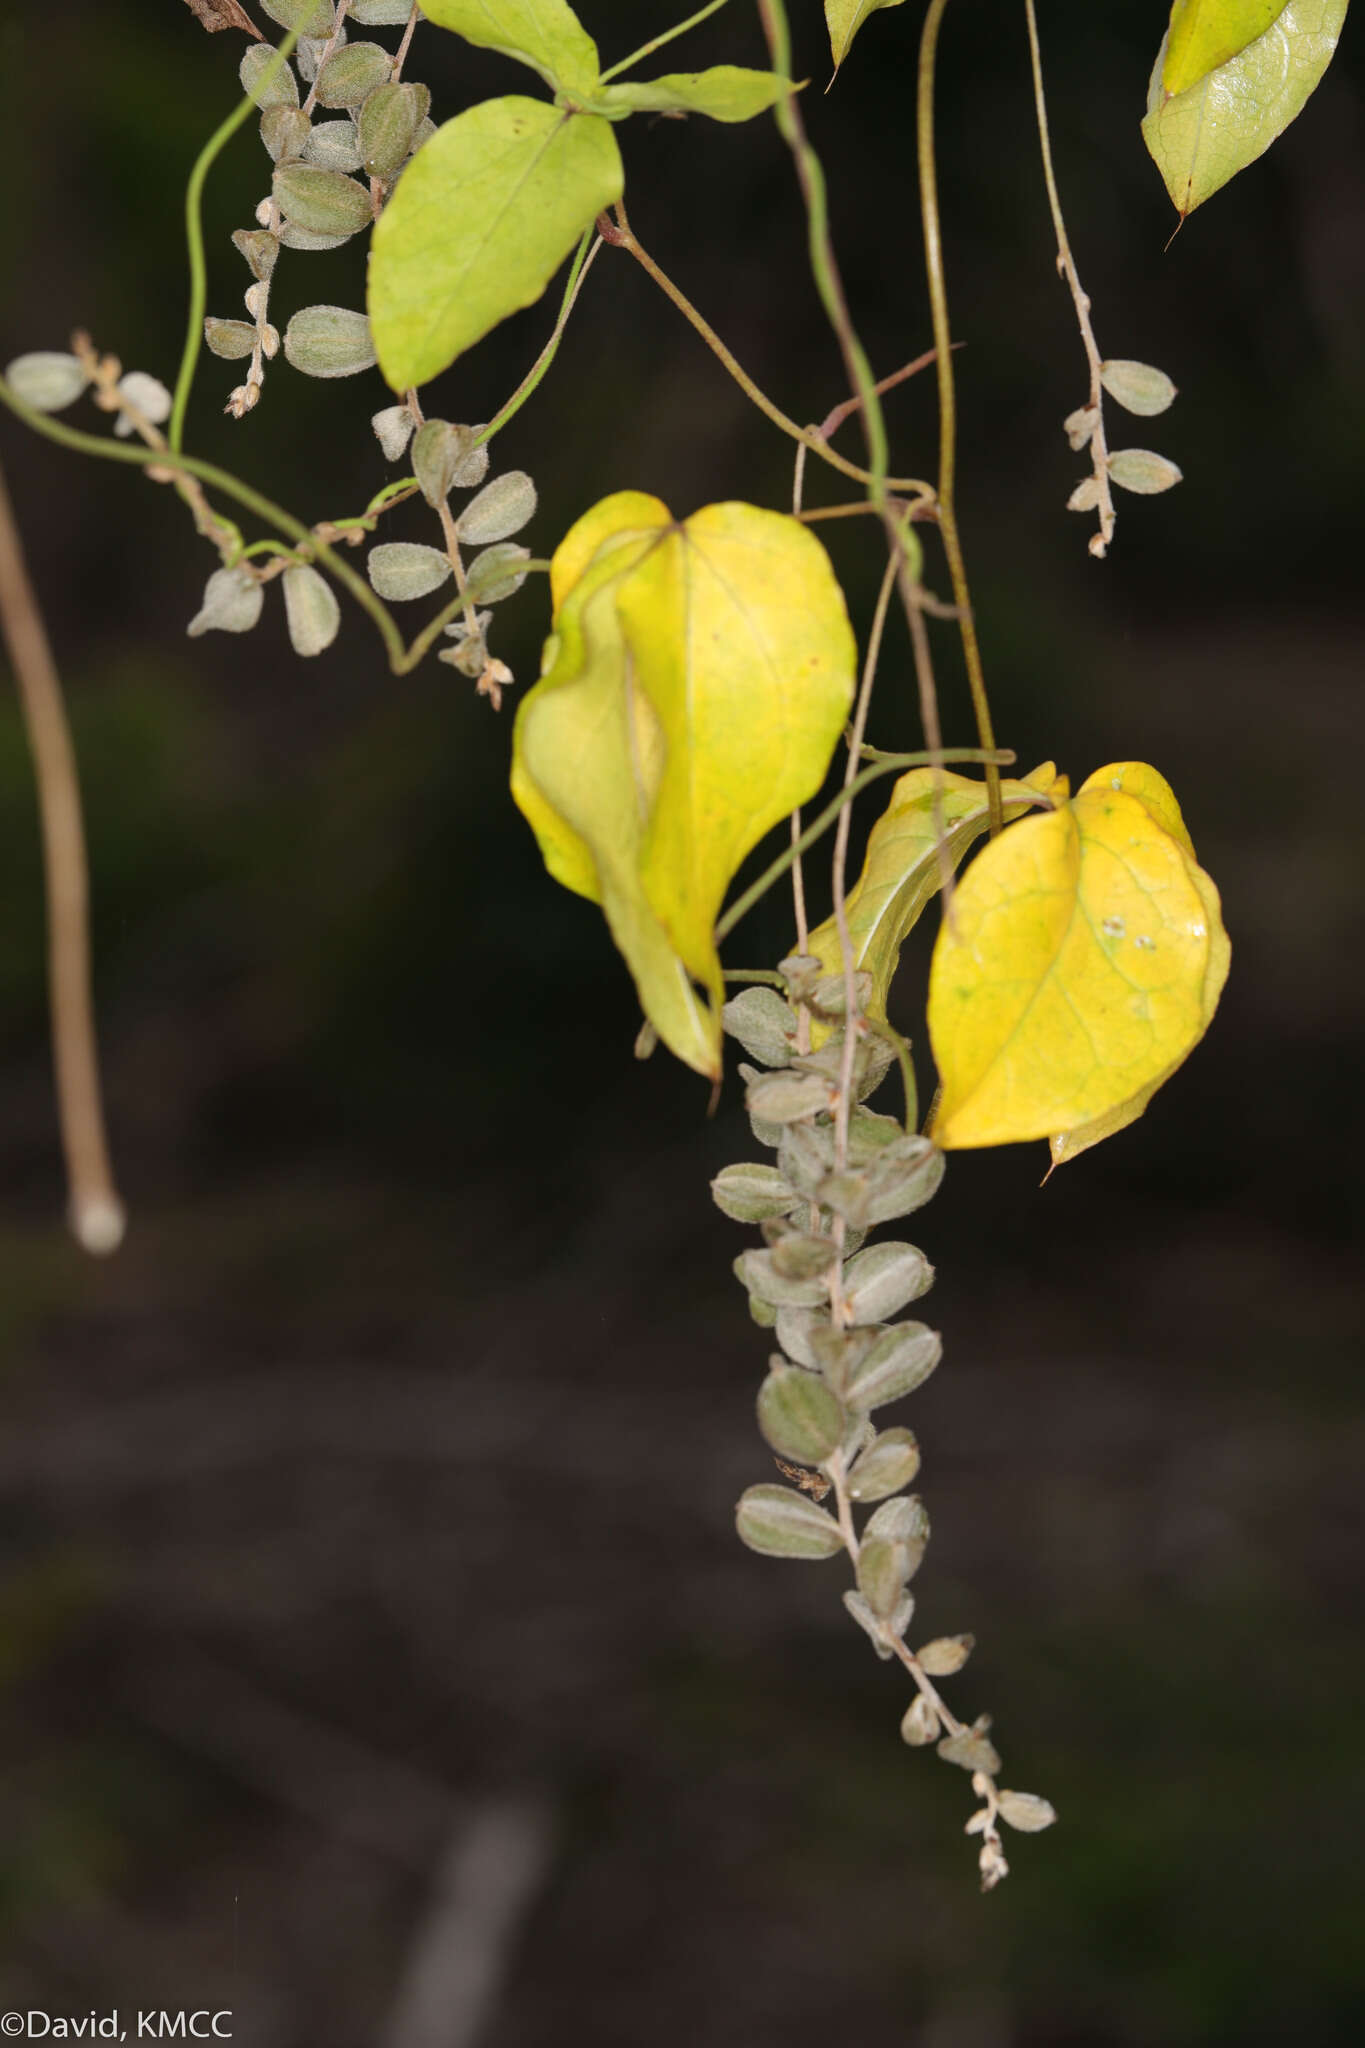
(393, 430)
(282, 89)
(232, 603)
(323, 202)
(329, 341)
(1137, 386)
(501, 509)
(1140, 470)
(349, 76)
(387, 123)
(231, 339)
(46, 379)
(496, 573)
(311, 609)
(403, 569)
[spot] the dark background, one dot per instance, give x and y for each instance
(370, 1603)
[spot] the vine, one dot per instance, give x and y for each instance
(699, 677)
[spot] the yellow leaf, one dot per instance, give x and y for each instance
(843, 19)
(1084, 959)
(1201, 137)
(1205, 33)
(697, 680)
(902, 871)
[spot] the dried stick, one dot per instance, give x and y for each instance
(95, 1213)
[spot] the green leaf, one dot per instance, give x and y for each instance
(698, 678)
(725, 93)
(478, 224)
(843, 19)
(1205, 33)
(546, 34)
(902, 872)
(1204, 136)
(1077, 971)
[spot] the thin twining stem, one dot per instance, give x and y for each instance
(338, 23)
(1066, 265)
(622, 236)
(829, 285)
(95, 1213)
(194, 238)
(584, 257)
(648, 49)
(837, 414)
(839, 879)
(888, 764)
(947, 399)
(400, 55)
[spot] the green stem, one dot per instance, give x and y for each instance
(231, 487)
(765, 974)
(901, 1047)
(888, 765)
(947, 399)
(194, 237)
(648, 49)
(578, 271)
(625, 238)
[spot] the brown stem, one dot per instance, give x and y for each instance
(95, 1213)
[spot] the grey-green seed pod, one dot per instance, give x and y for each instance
(393, 430)
(763, 1023)
(785, 1097)
(270, 342)
(748, 1194)
(880, 1281)
(798, 1415)
(755, 1272)
(1026, 1811)
(292, 236)
(501, 509)
(945, 1655)
(778, 1522)
(311, 51)
(231, 339)
(901, 1360)
(281, 90)
(387, 123)
(46, 379)
(970, 1751)
(351, 75)
(805, 1152)
(425, 130)
(881, 1573)
(497, 573)
(324, 202)
(889, 1463)
(872, 1622)
(1078, 426)
(260, 248)
(311, 609)
(762, 1312)
(921, 1724)
(403, 569)
(1086, 495)
(795, 1329)
(1140, 470)
(1137, 386)
(332, 146)
(436, 450)
(908, 1174)
(473, 464)
(801, 1255)
(469, 657)
(148, 395)
(309, 17)
(380, 13)
(285, 132)
(329, 341)
(232, 603)
(904, 1521)
(829, 996)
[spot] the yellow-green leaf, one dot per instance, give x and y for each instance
(1080, 967)
(843, 19)
(903, 872)
(697, 680)
(1205, 135)
(726, 92)
(1204, 33)
(478, 224)
(546, 34)
(1156, 794)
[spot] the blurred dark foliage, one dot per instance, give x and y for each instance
(383, 1483)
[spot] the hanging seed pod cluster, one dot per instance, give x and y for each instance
(832, 1300)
